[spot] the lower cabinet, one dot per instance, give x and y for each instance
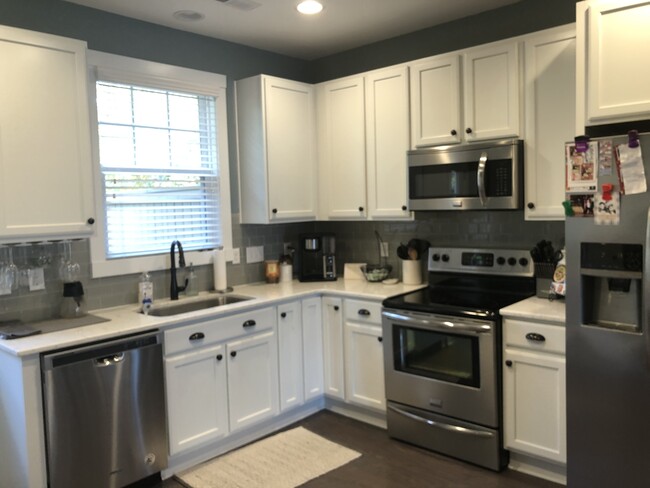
(333, 347)
(534, 386)
(290, 344)
(364, 355)
(312, 347)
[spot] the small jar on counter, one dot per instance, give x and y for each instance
(272, 271)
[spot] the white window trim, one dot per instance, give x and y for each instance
(148, 73)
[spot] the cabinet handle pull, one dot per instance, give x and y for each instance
(360, 209)
(275, 210)
(90, 220)
(233, 353)
(508, 363)
(531, 205)
(249, 323)
(468, 130)
(283, 315)
(380, 339)
(336, 308)
(533, 336)
(404, 208)
(453, 132)
(364, 312)
(197, 336)
(219, 357)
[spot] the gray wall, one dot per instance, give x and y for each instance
(356, 242)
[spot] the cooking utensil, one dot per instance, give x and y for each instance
(402, 251)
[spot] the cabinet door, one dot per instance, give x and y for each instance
(291, 149)
(550, 119)
(435, 102)
(197, 405)
(535, 404)
(290, 354)
(491, 92)
(364, 363)
(45, 158)
(618, 74)
(312, 343)
(333, 347)
(343, 148)
(252, 380)
(387, 140)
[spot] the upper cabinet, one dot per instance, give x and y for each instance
(613, 72)
(363, 139)
(550, 118)
(490, 88)
(45, 156)
(277, 150)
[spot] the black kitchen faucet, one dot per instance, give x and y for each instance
(174, 288)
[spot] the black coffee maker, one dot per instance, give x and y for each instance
(316, 260)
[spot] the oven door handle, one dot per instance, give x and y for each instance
(458, 325)
(480, 178)
(456, 429)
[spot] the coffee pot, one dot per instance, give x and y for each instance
(73, 304)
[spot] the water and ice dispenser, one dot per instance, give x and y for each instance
(612, 285)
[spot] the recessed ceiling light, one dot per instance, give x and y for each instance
(309, 7)
(188, 15)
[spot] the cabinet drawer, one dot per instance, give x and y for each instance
(519, 333)
(363, 312)
(200, 334)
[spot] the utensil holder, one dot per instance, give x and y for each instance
(411, 271)
(543, 279)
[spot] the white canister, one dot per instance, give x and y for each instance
(286, 273)
(411, 271)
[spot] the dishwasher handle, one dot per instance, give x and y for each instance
(110, 360)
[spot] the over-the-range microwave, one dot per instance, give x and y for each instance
(477, 176)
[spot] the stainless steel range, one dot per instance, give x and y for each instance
(442, 349)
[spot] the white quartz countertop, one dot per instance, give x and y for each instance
(534, 308)
(127, 320)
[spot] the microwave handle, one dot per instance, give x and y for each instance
(480, 178)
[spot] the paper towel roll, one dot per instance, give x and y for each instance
(219, 269)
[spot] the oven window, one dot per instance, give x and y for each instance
(452, 358)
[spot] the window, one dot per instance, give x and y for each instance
(162, 164)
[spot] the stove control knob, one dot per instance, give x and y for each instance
(512, 261)
(445, 258)
(523, 262)
(436, 257)
(501, 260)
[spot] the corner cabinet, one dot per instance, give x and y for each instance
(276, 142)
(333, 348)
(290, 344)
(45, 157)
(613, 72)
(550, 100)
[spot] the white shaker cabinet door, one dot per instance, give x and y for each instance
(312, 340)
(364, 361)
(618, 49)
(491, 92)
(387, 140)
(197, 403)
(435, 101)
(333, 347)
(252, 380)
(45, 157)
(290, 354)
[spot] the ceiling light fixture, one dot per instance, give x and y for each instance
(188, 15)
(309, 7)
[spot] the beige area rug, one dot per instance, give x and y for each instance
(285, 460)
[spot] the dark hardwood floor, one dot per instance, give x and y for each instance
(386, 462)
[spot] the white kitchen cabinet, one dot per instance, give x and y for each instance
(550, 69)
(252, 380)
(387, 140)
(312, 340)
(342, 148)
(534, 389)
(45, 156)
(290, 344)
(436, 101)
(333, 358)
(276, 139)
(491, 91)
(364, 355)
(197, 398)
(363, 138)
(612, 70)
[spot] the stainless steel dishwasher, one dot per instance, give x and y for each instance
(105, 413)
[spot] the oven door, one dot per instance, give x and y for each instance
(443, 364)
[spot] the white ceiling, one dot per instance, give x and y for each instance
(275, 25)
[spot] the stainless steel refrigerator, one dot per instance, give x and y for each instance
(608, 344)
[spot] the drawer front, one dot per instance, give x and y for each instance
(194, 336)
(362, 311)
(534, 336)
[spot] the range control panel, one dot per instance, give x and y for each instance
(511, 262)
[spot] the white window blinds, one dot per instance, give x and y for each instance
(159, 161)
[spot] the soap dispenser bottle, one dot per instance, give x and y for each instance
(191, 289)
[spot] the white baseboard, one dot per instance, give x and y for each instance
(538, 468)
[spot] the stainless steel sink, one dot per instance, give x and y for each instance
(193, 305)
